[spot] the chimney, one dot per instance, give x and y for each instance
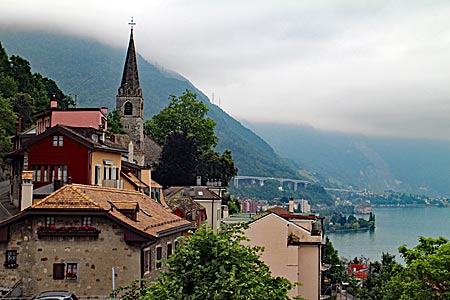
(130, 152)
(291, 205)
(199, 180)
(104, 110)
(27, 190)
(53, 102)
(19, 125)
(57, 184)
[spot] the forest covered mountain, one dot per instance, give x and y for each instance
(91, 72)
(417, 166)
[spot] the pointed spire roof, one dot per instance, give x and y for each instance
(130, 85)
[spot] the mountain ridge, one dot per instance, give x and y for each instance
(91, 72)
(418, 166)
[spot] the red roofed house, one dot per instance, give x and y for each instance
(361, 271)
(74, 117)
(74, 239)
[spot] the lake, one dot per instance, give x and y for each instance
(394, 227)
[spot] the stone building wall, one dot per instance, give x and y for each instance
(153, 272)
(95, 258)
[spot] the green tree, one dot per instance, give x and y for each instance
(184, 114)
(214, 166)
(178, 162)
(380, 275)
(115, 126)
(427, 272)
(214, 265)
(23, 105)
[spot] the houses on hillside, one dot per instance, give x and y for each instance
(91, 217)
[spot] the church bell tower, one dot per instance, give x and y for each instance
(129, 101)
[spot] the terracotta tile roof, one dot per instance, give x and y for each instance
(134, 180)
(288, 215)
(152, 218)
(152, 151)
(125, 205)
(66, 197)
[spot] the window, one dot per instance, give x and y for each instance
(95, 138)
(49, 221)
(58, 271)
(176, 245)
(58, 140)
(128, 109)
(86, 221)
(37, 173)
(158, 257)
(147, 260)
(71, 271)
(114, 173)
(169, 249)
(10, 259)
(97, 174)
(107, 172)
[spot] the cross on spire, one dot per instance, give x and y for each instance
(132, 23)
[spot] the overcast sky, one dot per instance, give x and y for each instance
(372, 67)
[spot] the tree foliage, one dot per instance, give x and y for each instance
(178, 162)
(186, 115)
(427, 272)
(115, 126)
(184, 122)
(380, 275)
(213, 265)
(21, 94)
(216, 166)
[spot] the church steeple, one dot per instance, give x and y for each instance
(129, 101)
(130, 85)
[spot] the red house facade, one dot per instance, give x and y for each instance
(61, 154)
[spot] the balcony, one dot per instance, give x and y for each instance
(112, 183)
(68, 231)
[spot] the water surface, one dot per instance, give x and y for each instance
(394, 227)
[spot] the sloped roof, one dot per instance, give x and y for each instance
(70, 133)
(136, 182)
(195, 192)
(152, 218)
(286, 214)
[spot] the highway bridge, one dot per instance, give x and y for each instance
(295, 183)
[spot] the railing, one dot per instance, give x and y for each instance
(112, 183)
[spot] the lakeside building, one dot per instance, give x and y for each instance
(292, 246)
(249, 206)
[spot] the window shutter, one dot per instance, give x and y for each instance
(58, 271)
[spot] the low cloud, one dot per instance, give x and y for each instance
(371, 67)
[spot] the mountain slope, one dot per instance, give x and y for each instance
(91, 72)
(407, 165)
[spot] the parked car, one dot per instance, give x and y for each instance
(56, 295)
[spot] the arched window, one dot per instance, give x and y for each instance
(128, 110)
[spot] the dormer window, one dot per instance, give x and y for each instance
(128, 109)
(129, 209)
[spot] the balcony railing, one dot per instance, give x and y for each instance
(67, 231)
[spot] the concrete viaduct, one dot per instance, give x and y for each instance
(261, 180)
